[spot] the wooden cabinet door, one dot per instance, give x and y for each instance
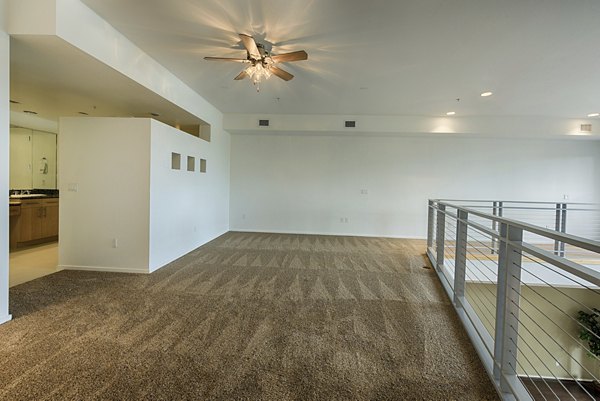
(30, 221)
(50, 220)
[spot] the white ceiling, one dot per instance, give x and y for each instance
(380, 57)
(54, 79)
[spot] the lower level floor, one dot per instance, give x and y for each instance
(32, 263)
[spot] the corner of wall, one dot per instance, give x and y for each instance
(4, 161)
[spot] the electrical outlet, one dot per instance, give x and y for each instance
(115, 243)
(364, 191)
(73, 187)
(566, 197)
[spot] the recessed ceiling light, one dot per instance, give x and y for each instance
(29, 112)
(450, 113)
(593, 114)
(83, 113)
(486, 94)
(15, 102)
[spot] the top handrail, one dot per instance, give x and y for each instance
(563, 202)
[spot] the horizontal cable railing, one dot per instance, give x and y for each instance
(579, 219)
(527, 292)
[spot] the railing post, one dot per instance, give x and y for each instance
(460, 260)
(496, 211)
(440, 236)
(494, 224)
(560, 225)
(507, 306)
(563, 227)
(430, 214)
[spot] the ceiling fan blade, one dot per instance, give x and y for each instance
(293, 56)
(237, 60)
(250, 45)
(286, 76)
(241, 75)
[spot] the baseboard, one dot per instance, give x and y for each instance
(105, 269)
(5, 318)
(152, 269)
(242, 230)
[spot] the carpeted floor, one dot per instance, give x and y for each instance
(247, 316)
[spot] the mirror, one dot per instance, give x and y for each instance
(32, 159)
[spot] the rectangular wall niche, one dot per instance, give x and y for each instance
(191, 163)
(203, 165)
(175, 161)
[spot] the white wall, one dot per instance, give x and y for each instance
(368, 125)
(126, 190)
(84, 29)
(108, 159)
(4, 160)
(186, 208)
(75, 23)
(305, 184)
(78, 25)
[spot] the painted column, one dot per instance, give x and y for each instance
(4, 160)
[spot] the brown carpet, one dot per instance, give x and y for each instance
(247, 316)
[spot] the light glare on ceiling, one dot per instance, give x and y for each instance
(486, 94)
(593, 114)
(450, 113)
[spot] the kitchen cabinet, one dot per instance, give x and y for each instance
(50, 218)
(15, 212)
(37, 222)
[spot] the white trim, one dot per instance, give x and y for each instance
(6, 318)
(241, 230)
(106, 269)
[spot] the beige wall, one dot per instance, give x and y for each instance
(104, 193)
(541, 339)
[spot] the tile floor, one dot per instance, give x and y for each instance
(33, 262)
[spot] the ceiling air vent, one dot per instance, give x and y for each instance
(350, 124)
(263, 123)
(586, 127)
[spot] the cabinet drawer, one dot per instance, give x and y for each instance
(28, 204)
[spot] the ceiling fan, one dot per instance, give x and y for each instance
(262, 63)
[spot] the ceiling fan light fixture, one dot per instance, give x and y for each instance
(257, 73)
(263, 64)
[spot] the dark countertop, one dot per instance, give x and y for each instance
(32, 197)
(17, 202)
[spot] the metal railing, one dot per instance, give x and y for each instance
(528, 295)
